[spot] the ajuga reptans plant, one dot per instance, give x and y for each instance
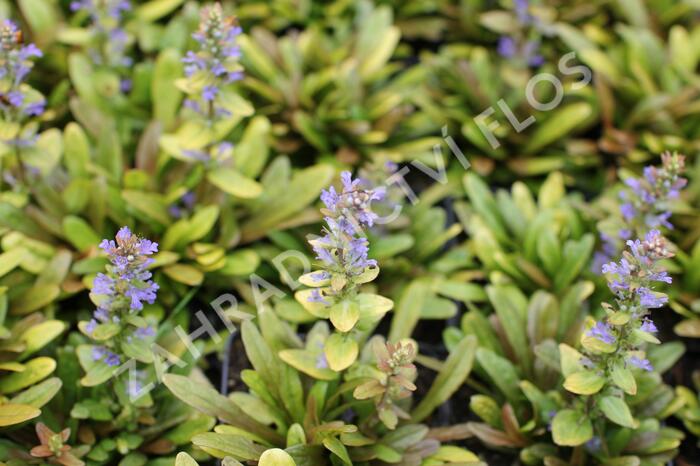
(614, 348)
(645, 205)
(20, 104)
(116, 327)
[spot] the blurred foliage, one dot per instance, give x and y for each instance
(494, 256)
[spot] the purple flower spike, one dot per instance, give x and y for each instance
(107, 28)
(216, 60)
(15, 102)
(128, 282)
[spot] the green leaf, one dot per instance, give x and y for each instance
(373, 307)
(241, 262)
(487, 409)
(76, 154)
(184, 273)
(207, 400)
(11, 259)
(149, 206)
(308, 363)
(42, 18)
(571, 428)
(337, 447)
(344, 314)
(502, 372)
(11, 413)
(79, 233)
(408, 310)
(584, 382)
(40, 335)
(454, 372)
(35, 298)
(156, 9)
(570, 359)
(165, 95)
(183, 459)
(109, 153)
(511, 307)
(39, 394)
(34, 370)
(292, 198)
(575, 257)
(276, 457)
(234, 183)
(485, 205)
(560, 122)
(623, 378)
(450, 454)
(220, 445)
(465, 292)
(617, 411)
(253, 148)
(341, 351)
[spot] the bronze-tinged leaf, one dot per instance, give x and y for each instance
(491, 436)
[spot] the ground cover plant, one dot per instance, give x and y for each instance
(349, 233)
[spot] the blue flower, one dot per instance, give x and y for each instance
(145, 332)
(507, 47)
(321, 361)
(112, 359)
(648, 326)
(602, 332)
(649, 299)
(640, 363)
(101, 353)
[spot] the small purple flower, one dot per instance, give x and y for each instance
(602, 332)
(15, 98)
(102, 284)
(319, 276)
(507, 47)
(594, 444)
(522, 11)
(641, 363)
(628, 211)
(112, 359)
(35, 108)
(531, 53)
(321, 361)
(101, 353)
(98, 353)
(587, 363)
(138, 294)
(316, 297)
(91, 326)
(648, 326)
(145, 332)
(209, 93)
(649, 299)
